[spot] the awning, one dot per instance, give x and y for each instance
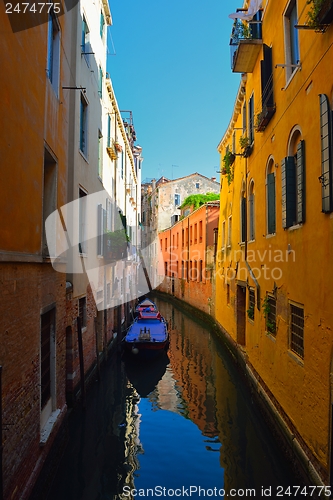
(253, 8)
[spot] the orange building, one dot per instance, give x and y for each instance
(188, 250)
(33, 152)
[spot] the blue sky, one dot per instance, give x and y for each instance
(169, 62)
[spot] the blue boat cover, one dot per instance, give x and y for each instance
(157, 328)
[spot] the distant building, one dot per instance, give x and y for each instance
(160, 206)
(188, 250)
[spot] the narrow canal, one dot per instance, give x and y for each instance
(176, 425)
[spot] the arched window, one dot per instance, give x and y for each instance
(293, 182)
(270, 197)
(251, 212)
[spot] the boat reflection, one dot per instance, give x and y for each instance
(144, 376)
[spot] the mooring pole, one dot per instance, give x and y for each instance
(1, 476)
(82, 381)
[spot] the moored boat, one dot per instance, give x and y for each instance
(145, 304)
(148, 335)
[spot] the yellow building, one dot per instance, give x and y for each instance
(274, 274)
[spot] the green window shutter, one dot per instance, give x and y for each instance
(251, 216)
(288, 181)
(300, 168)
(266, 67)
(271, 217)
(326, 157)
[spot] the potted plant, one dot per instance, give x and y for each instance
(118, 147)
(227, 162)
(241, 30)
(270, 325)
(250, 312)
(245, 145)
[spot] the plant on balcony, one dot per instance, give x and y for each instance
(115, 244)
(250, 312)
(227, 168)
(320, 12)
(270, 325)
(245, 145)
(241, 30)
(118, 147)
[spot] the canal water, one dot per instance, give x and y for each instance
(183, 425)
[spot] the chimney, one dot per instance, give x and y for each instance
(213, 179)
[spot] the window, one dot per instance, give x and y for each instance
(100, 82)
(53, 50)
(83, 125)
(177, 200)
(101, 26)
(197, 185)
(251, 212)
(200, 271)
(183, 238)
(200, 231)
(270, 193)
(85, 41)
(195, 233)
(100, 154)
(251, 119)
(297, 330)
(47, 364)
(291, 39)
(252, 303)
(108, 143)
(121, 163)
(49, 194)
(109, 224)
(229, 231)
(270, 314)
(83, 311)
(293, 187)
(101, 229)
(82, 221)
(326, 154)
(223, 235)
(244, 118)
(191, 233)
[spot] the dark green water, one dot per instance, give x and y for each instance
(182, 426)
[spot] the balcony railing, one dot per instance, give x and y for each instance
(245, 44)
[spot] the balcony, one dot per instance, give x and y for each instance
(245, 45)
(264, 117)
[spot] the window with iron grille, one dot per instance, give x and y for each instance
(297, 330)
(252, 303)
(83, 311)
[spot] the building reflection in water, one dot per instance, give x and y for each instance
(186, 419)
(202, 384)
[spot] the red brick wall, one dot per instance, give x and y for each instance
(25, 290)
